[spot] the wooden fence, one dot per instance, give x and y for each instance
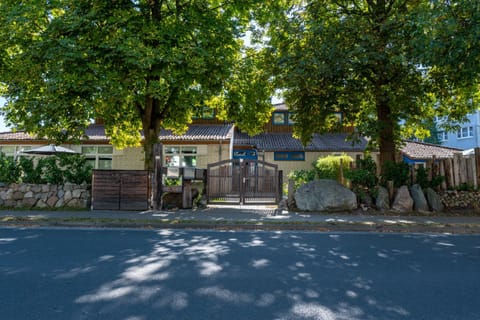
(120, 190)
(461, 170)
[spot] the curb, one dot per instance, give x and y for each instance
(346, 226)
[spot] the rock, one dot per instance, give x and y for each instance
(17, 195)
(29, 194)
(51, 202)
(325, 195)
(382, 201)
(41, 204)
(77, 193)
(402, 202)
(434, 200)
(67, 196)
(28, 202)
(419, 200)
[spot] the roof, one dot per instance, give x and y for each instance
(200, 132)
(331, 142)
(422, 150)
(96, 132)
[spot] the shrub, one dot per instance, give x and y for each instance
(399, 173)
(31, 173)
(301, 176)
(421, 175)
(54, 169)
(329, 167)
(76, 169)
(364, 176)
(9, 171)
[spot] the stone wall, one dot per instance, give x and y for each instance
(461, 199)
(25, 195)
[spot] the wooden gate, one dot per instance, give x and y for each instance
(120, 190)
(241, 181)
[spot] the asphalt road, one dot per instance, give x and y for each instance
(182, 274)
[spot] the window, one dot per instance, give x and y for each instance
(279, 118)
(180, 156)
(245, 154)
(442, 135)
(99, 157)
(465, 132)
(12, 151)
(290, 120)
(282, 118)
(289, 156)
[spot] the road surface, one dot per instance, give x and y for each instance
(180, 274)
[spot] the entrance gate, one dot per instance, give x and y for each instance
(240, 181)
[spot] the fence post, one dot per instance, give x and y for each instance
(291, 191)
(456, 170)
(449, 173)
(280, 185)
(443, 185)
(477, 165)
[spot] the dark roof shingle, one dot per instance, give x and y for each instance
(200, 133)
(331, 142)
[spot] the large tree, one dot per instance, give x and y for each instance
(387, 65)
(140, 65)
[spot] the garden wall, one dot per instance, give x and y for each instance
(23, 195)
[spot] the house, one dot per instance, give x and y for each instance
(466, 137)
(206, 141)
(415, 153)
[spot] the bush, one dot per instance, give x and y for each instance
(421, 175)
(9, 171)
(399, 173)
(329, 167)
(76, 169)
(364, 176)
(31, 173)
(54, 169)
(301, 177)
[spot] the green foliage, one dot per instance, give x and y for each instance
(301, 177)
(362, 58)
(422, 178)
(399, 173)
(139, 65)
(364, 176)
(329, 167)
(75, 168)
(54, 169)
(31, 173)
(9, 172)
(172, 182)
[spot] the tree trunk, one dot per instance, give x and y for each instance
(386, 136)
(151, 123)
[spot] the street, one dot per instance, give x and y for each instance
(63, 273)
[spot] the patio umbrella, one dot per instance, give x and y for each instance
(49, 150)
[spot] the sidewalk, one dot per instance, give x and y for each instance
(243, 217)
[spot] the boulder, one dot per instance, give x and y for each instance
(434, 200)
(419, 200)
(325, 195)
(382, 202)
(402, 202)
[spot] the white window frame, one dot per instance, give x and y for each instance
(442, 135)
(180, 152)
(98, 157)
(465, 132)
